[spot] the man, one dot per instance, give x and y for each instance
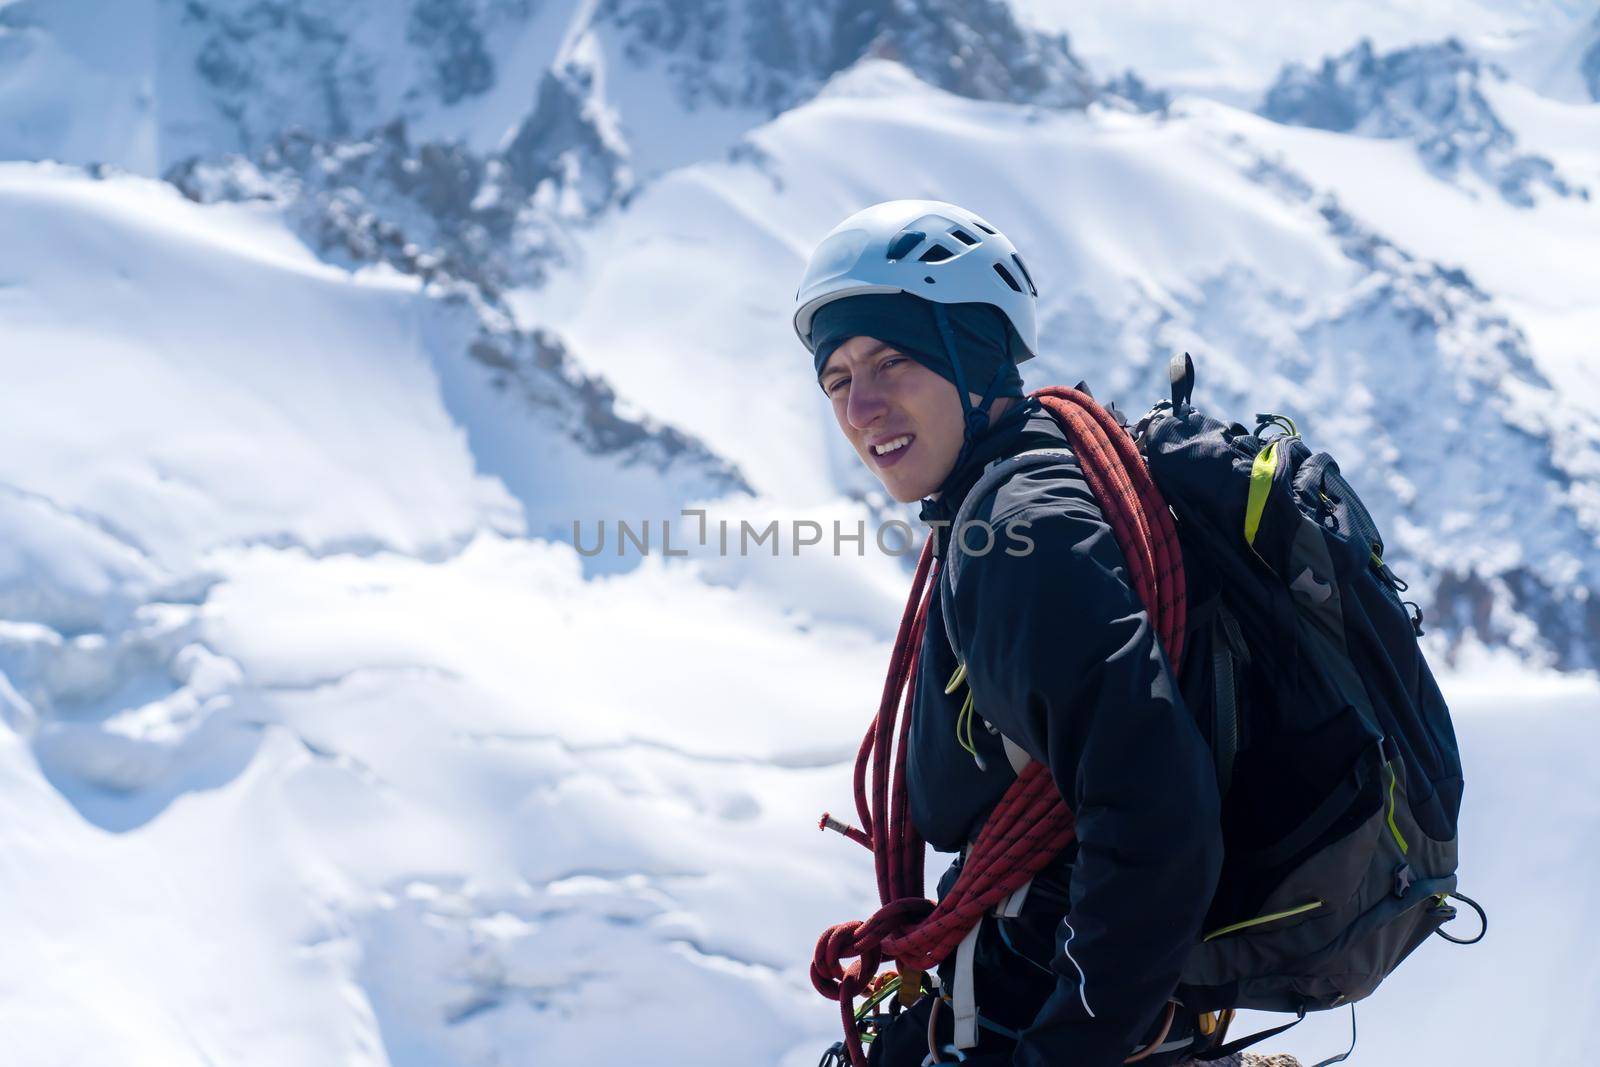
(917, 314)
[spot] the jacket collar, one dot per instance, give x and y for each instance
(1021, 428)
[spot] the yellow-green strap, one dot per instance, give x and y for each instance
(1394, 828)
(956, 679)
(964, 726)
(964, 716)
(1261, 471)
(1262, 920)
(1282, 422)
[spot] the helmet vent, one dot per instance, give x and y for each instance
(1034, 289)
(984, 228)
(1006, 277)
(936, 253)
(902, 245)
(964, 237)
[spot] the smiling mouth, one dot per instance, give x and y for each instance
(892, 451)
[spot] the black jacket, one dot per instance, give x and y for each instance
(1063, 660)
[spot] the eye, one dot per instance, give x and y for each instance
(833, 387)
(893, 361)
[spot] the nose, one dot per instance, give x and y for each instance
(866, 403)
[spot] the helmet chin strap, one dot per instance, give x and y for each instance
(975, 417)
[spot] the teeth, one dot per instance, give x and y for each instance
(889, 446)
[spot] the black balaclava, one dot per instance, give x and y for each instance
(973, 346)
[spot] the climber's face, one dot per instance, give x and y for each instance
(903, 420)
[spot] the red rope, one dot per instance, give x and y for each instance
(1031, 823)
(1132, 505)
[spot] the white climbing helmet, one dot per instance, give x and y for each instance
(927, 248)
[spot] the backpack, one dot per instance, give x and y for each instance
(1334, 751)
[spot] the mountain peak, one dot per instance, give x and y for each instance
(1429, 94)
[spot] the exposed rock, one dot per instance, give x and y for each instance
(774, 55)
(537, 366)
(1428, 94)
(434, 210)
(448, 33)
(336, 70)
(469, 228)
(567, 144)
(1129, 89)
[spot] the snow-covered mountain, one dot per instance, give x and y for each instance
(200, 77)
(327, 328)
(1428, 94)
(1560, 61)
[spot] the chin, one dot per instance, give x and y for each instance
(908, 491)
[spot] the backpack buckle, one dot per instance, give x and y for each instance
(1403, 878)
(1180, 373)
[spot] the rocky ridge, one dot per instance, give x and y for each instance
(1428, 94)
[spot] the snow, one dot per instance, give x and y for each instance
(187, 377)
(521, 55)
(1568, 133)
(473, 621)
(1549, 59)
(441, 833)
(77, 82)
(143, 84)
(1540, 265)
(1235, 52)
(430, 850)
(662, 129)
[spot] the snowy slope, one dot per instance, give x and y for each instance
(1235, 51)
(401, 850)
(163, 398)
(413, 850)
(1561, 61)
(1539, 265)
(225, 386)
(242, 516)
(77, 82)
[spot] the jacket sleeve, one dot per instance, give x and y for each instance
(1063, 659)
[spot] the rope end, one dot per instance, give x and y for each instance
(828, 822)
